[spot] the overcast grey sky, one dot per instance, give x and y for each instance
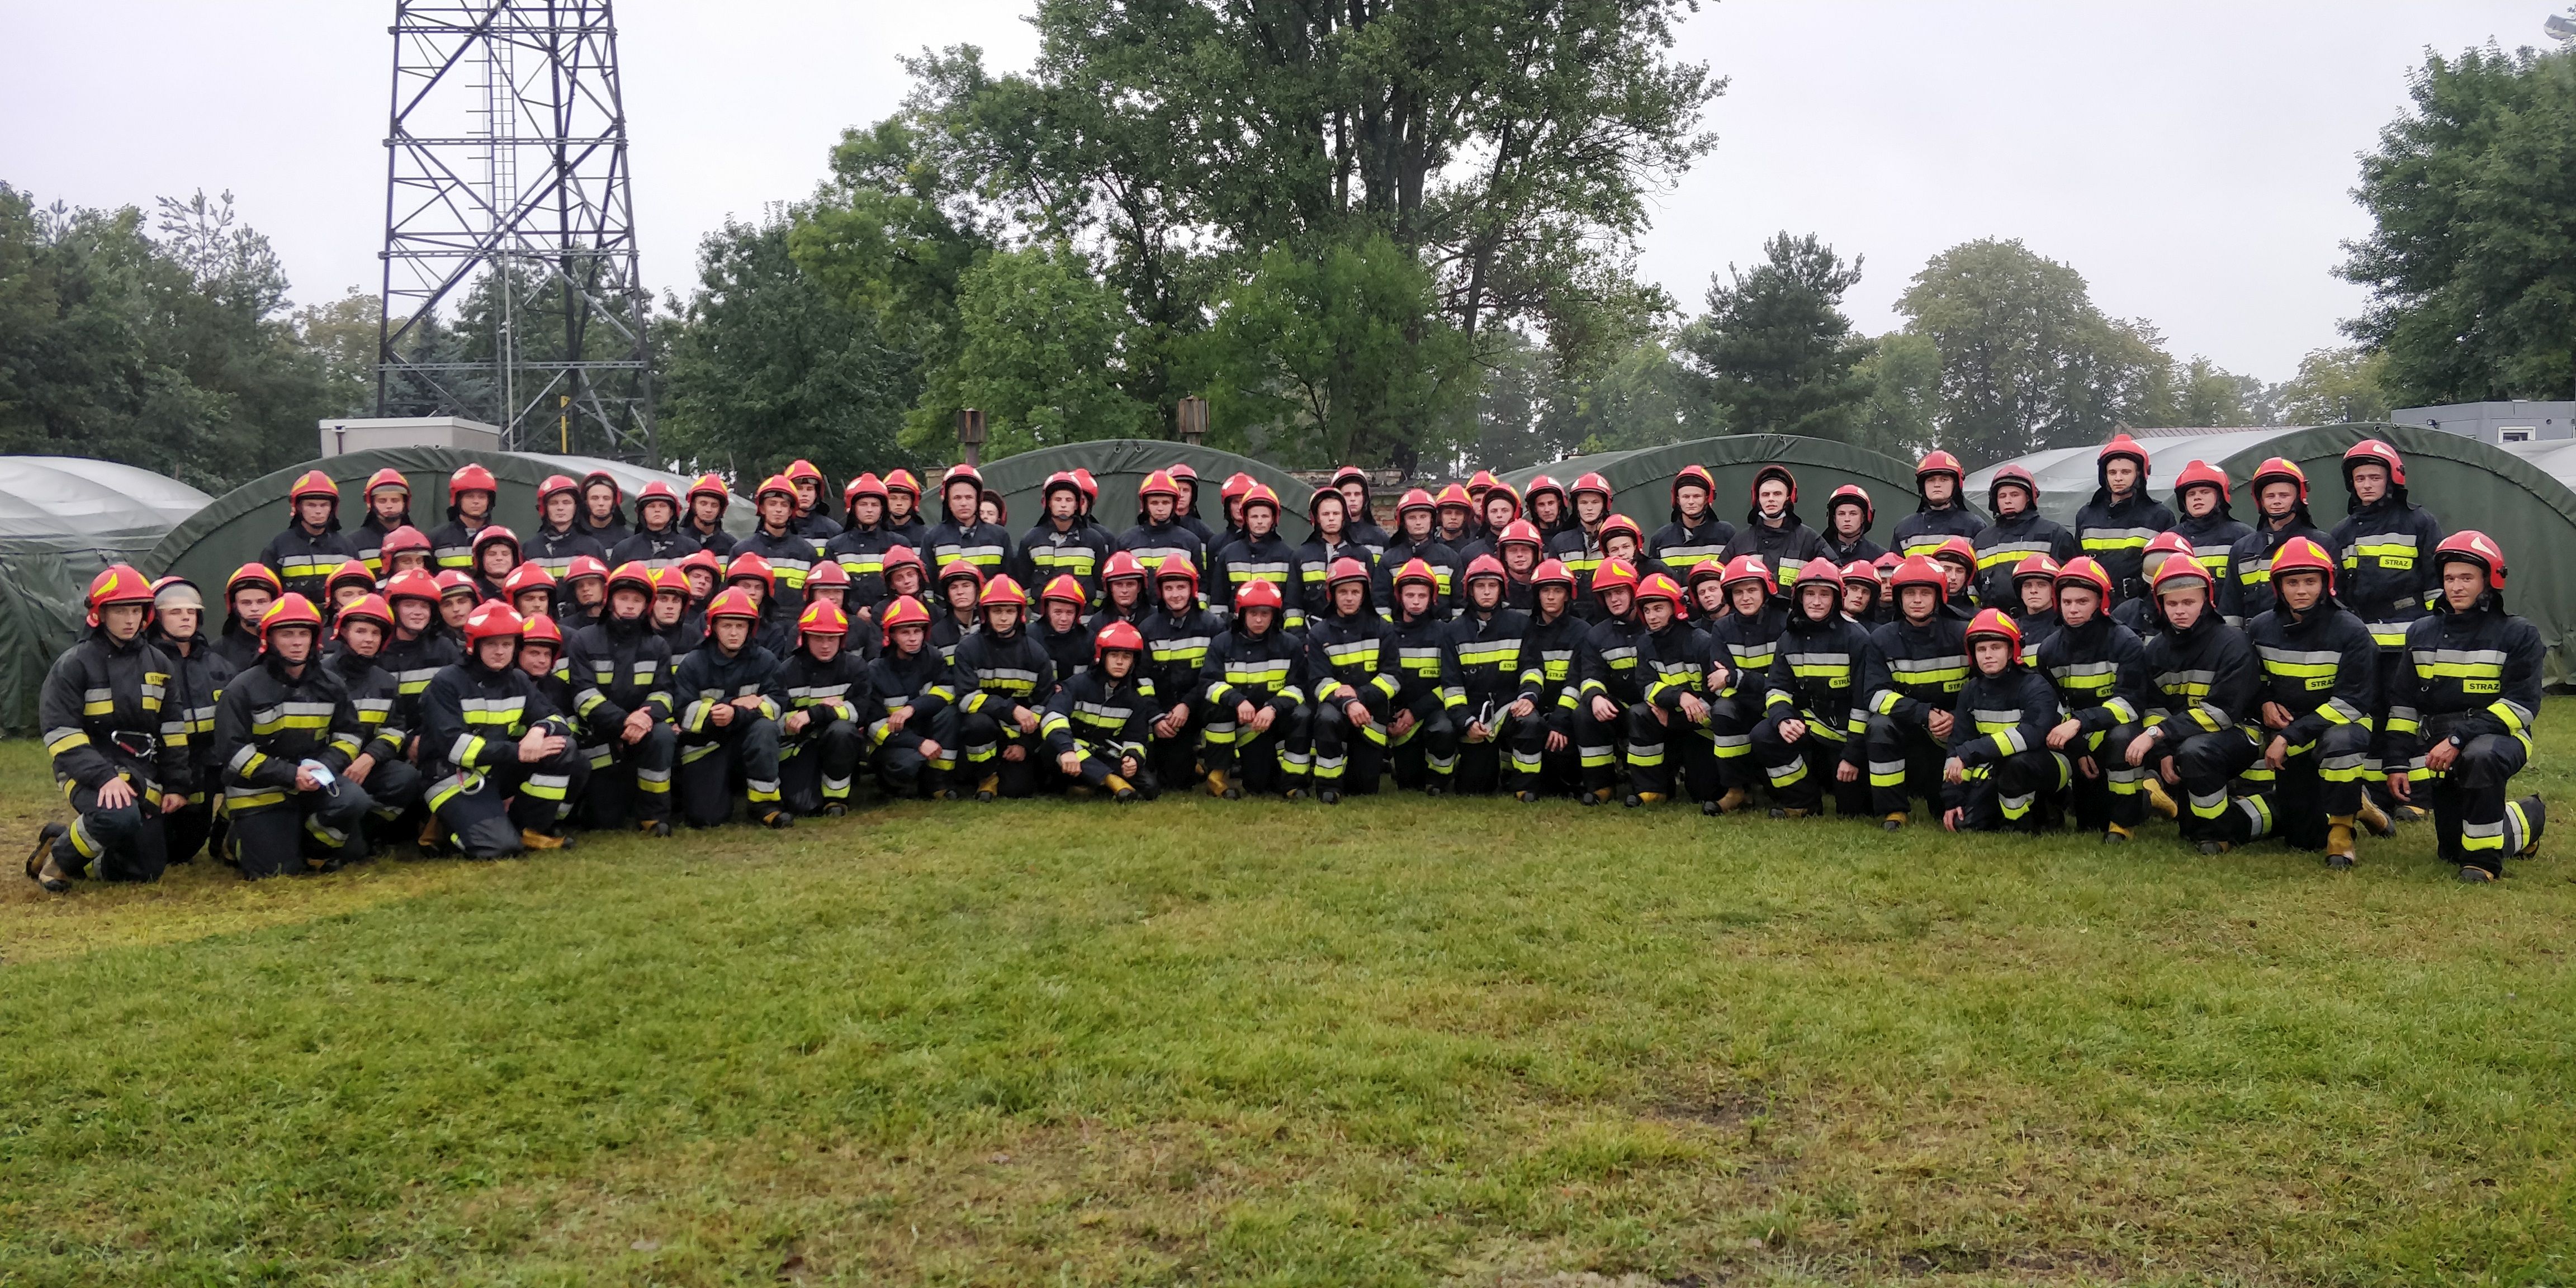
(2193, 159)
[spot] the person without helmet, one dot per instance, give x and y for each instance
(1060, 544)
(382, 767)
(913, 743)
(1816, 717)
(708, 498)
(660, 538)
(499, 758)
(2034, 602)
(286, 734)
(1423, 734)
(2387, 580)
(2000, 772)
(1913, 673)
(1417, 538)
(1177, 635)
(830, 708)
(2203, 498)
(1848, 516)
(197, 678)
(1747, 640)
(1500, 677)
(311, 548)
(1259, 735)
(1695, 533)
(471, 492)
(1329, 540)
(119, 745)
(2099, 670)
(388, 501)
(2465, 697)
(1941, 512)
(2199, 732)
(1683, 669)
(1578, 545)
(603, 508)
(2115, 526)
(2017, 533)
(1259, 553)
(730, 697)
(787, 551)
(621, 675)
(2320, 680)
(813, 519)
(1096, 726)
(2280, 491)
(557, 539)
(1350, 656)
(1544, 756)
(1607, 680)
(541, 657)
(1059, 629)
(1773, 530)
(1360, 513)
(1159, 536)
(998, 677)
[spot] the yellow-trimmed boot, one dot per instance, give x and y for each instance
(2162, 804)
(2340, 847)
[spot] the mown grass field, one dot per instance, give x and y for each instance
(1195, 1042)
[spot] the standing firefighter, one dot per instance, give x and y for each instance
(729, 691)
(120, 751)
(499, 757)
(2116, 525)
(2198, 737)
(1773, 530)
(2320, 680)
(1096, 725)
(311, 548)
(2100, 670)
(829, 710)
(2462, 709)
(471, 491)
(2000, 766)
(2017, 533)
(286, 734)
(1817, 718)
(2280, 490)
(1941, 513)
(2388, 577)
(621, 673)
(2203, 496)
(1695, 533)
(1259, 728)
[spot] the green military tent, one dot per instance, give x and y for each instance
(62, 519)
(1120, 465)
(2467, 483)
(231, 531)
(1642, 479)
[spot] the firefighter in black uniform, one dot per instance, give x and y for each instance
(286, 733)
(1360, 511)
(1773, 530)
(621, 673)
(197, 678)
(1607, 681)
(2204, 686)
(788, 553)
(961, 532)
(2202, 499)
(248, 595)
(2280, 491)
(541, 656)
(1350, 657)
(1488, 643)
(1423, 735)
(1683, 668)
(1177, 635)
(471, 491)
(1059, 629)
(830, 707)
(2000, 768)
(381, 768)
(1259, 729)
(311, 548)
(912, 744)
(556, 540)
(2115, 526)
(1330, 543)
(728, 693)
(1817, 719)
(2463, 709)
(1000, 678)
(1941, 512)
(1415, 538)
(1848, 516)
(119, 745)
(811, 518)
(862, 547)
(708, 499)
(2320, 681)
(1060, 544)
(2387, 580)
(499, 758)
(660, 538)
(2017, 533)
(1096, 724)
(1544, 759)
(1260, 554)
(1747, 640)
(1695, 533)
(388, 501)
(1915, 668)
(2033, 606)
(2100, 670)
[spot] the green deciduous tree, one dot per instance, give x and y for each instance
(2472, 263)
(2335, 386)
(1901, 414)
(1775, 347)
(1038, 352)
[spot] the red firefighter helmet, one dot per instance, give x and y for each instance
(631, 574)
(751, 567)
(2200, 473)
(1852, 494)
(2011, 476)
(493, 621)
(1003, 591)
(657, 490)
(292, 610)
(388, 477)
(1117, 637)
(249, 574)
(1659, 586)
(121, 584)
(711, 485)
(415, 584)
(2036, 566)
(1521, 532)
(471, 478)
(312, 485)
(823, 617)
(405, 540)
(539, 629)
(2283, 468)
(1937, 461)
(732, 602)
(904, 611)
(584, 566)
(1485, 566)
(2371, 451)
(1995, 624)
(558, 485)
(2468, 546)
(526, 577)
(1744, 568)
(2303, 554)
(1613, 574)
(373, 608)
(2085, 570)
(1919, 570)
(1552, 572)
(827, 574)
(452, 582)
(905, 481)
(1176, 568)
(1121, 565)
(1258, 594)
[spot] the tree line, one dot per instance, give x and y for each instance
(1399, 235)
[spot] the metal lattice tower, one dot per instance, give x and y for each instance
(510, 290)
